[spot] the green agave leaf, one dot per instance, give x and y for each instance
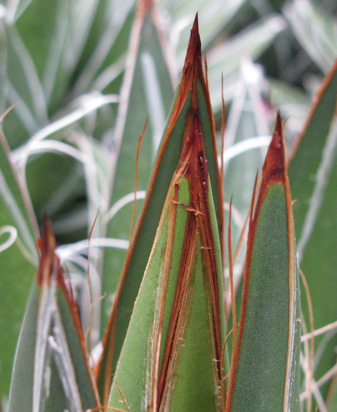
(265, 369)
(172, 355)
(146, 80)
(167, 162)
(51, 364)
(17, 255)
(313, 178)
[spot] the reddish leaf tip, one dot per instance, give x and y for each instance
(146, 4)
(46, 244)
(194, 45)
(196, 24)
(275, 164)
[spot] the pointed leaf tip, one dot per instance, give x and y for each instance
(275, 164)
(195, 26)
(145, 5)
(194, 45)
(49, 264)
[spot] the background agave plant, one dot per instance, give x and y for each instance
(86, 76)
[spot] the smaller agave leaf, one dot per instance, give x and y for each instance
(313, 178)
(171, 357)
(265, 369)
(166, 164)
(17, 255)
(51, 362)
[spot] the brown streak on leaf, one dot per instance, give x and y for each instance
(223, 350)
(122, 396)
(194, 169)
(180, 302)
(140, 139)
(231, 276)
(167, 267)
(8, 110)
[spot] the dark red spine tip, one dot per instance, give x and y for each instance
(275, 164)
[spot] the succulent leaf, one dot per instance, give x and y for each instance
(265, 368)
(51, 364)
(168, 159)
(172, 355)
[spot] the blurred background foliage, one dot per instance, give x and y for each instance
(63, 62)
(83, 79)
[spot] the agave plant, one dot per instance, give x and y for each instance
(190, 313)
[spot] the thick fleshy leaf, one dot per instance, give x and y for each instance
(51, 362)
(172, 355)
(313, 178)
(265, 368)
(147, 91)
(17, 255)
(166, 164)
